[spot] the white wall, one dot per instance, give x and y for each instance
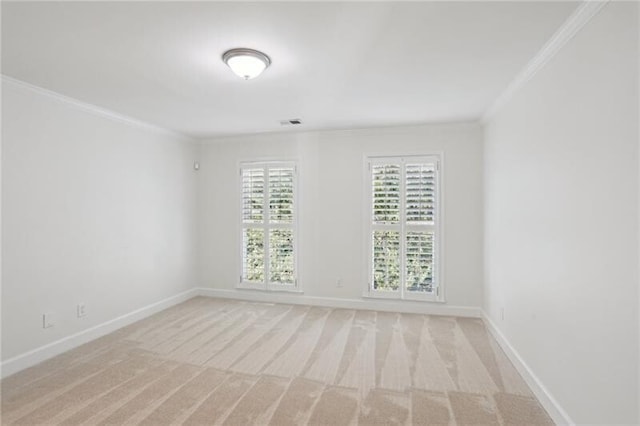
(331, 211)
(94, 210)
(561, 237)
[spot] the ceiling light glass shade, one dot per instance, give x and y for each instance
(246, 63)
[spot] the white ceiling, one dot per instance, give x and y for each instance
(335, 65)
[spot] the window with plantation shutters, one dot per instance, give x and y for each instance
(404, 222)
(268, 225)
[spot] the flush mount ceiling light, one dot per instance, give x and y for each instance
(246, 63)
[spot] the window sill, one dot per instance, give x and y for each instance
(393, 298)
(270, 290)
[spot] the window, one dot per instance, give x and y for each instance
(268, 192)
(404, 219)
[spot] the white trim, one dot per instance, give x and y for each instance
(401, 160)
(295, 132)
(94, 109)
(638, 235)
(267, 225)
(578, 19)
(35, 356)
(555, 410)
(402, 306)
(638, 134)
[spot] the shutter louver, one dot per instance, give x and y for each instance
(420, 193)
(281, 256)
(253, 254)
(386, 193)
(253, 195)
(419, 261)
(281, 194)
(386, 260)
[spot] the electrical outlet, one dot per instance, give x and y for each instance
(48, 320)
(81, 310)
(339, 283)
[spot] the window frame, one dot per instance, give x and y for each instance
(438, 294)
(266, 225)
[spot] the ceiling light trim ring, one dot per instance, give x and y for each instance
(246, 52)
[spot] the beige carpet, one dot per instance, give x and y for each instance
(213, 361)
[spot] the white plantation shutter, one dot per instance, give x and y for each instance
(281, 256)
(268, 225)
(281, 194)
(253, 195)
(404, 227)
(253, 254)
(253, 181)
(420, 193)
(386, 193)
(386, 260)
(419, 261)
(281, 210)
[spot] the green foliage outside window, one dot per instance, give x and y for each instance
(281, 256)
(253, 268)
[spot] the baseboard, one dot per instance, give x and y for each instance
(557, 413)
(405, 306)
(35, 356)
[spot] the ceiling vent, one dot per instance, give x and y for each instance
(291, 122)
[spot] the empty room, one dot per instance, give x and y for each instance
(320, 213)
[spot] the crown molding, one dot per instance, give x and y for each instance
(576, 21)
(94, 109)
